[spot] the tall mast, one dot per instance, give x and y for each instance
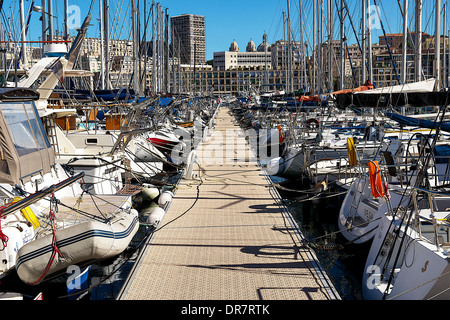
(369, 43)
(137, 87)
(302, 48)
(284, 55)
(363, 43)
(320, 56)
(44, 21)
(342, 34)
(330, 45)
(23, 35)
(289, 53)
(314, 51)
(153, 48)
(102, 48)
(50, 20)
(418, 36)
(444, 58)
(106, 37)
(66, 19)
(405, 40)
(437, 46)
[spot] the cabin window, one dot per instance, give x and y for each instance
(91, 141)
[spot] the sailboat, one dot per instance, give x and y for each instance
(409, 256)
(33, 186)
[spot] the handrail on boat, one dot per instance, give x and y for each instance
(39, 195)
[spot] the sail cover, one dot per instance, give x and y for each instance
(415, 122)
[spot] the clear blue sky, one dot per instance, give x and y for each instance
(228, 20)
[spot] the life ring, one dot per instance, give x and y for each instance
(280, 134)
(352, 159)
(376, 185)
(313, 123)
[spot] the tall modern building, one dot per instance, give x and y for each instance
(188, 38)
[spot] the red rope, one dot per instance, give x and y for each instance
(3, 237)
(54, 246)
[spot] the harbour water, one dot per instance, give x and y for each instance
(317, 220)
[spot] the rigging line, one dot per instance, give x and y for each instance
(83, 213)
(427, 160)
(422, 284)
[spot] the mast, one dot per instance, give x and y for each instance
(437, 46)
(102, 48)
(314, 50)
(330, 45)
(289, 53)
(137, 87)
(44, 22)
(66, 19)
(363, 43)
(444, 59)
(369, 43)
(405, 40)
(106, 37)
(320, 53)
(50, 20)
(302, 48)
(23, 35)
(153, 48)
(418, 36)
(342, 34)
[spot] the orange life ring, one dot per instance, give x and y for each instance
(376, 185)
(313, 123)
(280, 134)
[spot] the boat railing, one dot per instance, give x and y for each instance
(438, 216)
(39, 195)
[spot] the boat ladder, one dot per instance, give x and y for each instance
(355, 203)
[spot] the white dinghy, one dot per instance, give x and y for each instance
(81, 243)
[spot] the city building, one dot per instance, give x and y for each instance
(188, 38)
(252, 58)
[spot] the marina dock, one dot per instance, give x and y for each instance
(226, 235)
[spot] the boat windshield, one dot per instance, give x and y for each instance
(26, 130)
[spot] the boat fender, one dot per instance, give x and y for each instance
(352, 159)
(156, 216)
(313, 123)
(149, 192)
(165, 198)
(275, 166)
(376, 184)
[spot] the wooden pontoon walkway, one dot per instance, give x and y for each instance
(235, 243)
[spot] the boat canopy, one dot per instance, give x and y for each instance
(24, 147)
